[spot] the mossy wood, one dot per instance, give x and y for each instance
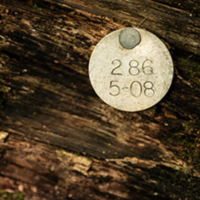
(58, 140)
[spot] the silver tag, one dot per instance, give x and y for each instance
(130, 71)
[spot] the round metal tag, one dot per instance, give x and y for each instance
(131, 79)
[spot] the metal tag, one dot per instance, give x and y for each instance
(131, 76)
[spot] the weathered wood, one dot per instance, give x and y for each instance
(175, 25)
(50, 104)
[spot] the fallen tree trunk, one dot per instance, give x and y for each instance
(59, 140)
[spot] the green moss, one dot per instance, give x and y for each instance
(11, 196)
(194, 73)
(188, 143)
(176, 183)
(35, 5)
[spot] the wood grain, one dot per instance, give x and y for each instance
(52, 113)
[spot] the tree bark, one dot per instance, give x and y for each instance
(59, 140)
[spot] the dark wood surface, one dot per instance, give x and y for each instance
(62, 141)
